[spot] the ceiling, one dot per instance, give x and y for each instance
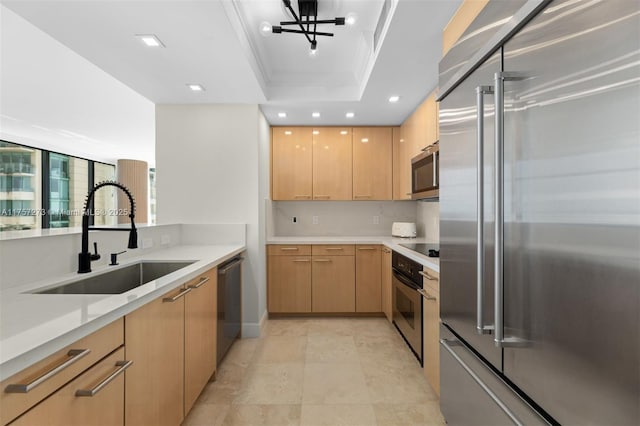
(218, 44)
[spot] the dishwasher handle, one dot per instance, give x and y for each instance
(230, 265)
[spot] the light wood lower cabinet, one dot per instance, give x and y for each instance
(289, 283)
(386, 283)
(21, 391)
(200, 322)
(368, 278)
(65, 408)
(431, 329)
(333, 284)
(154, 339)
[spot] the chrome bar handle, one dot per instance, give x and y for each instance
(202, 281)
(322, 260)
(289, 248)
(447, 345)
(498, 262)
(427, 276)
(74, 355)
(301, 260)
(91, 392)
(177, 296)
(425, 294)
(481, 328)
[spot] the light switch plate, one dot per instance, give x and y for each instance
(314, 220)
(376, 220)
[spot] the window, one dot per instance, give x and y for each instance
(152, 195)
(104, 200)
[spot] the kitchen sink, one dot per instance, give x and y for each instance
(119, 280)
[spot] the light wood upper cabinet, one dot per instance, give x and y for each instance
(154, 340)
(200, 320)
(291, 163)
(64, 408)
(368, 278)
(288, 282)
(372, 163)
(386, 283)
(332, 163)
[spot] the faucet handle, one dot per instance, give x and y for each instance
(95, 255)
(114, 257)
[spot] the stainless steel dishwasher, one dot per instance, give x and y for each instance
(229, 305)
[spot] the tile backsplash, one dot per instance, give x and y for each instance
(329, 218)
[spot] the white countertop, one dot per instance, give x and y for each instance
(393, 243)
(33, 326)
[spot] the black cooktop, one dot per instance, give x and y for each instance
(431, 250)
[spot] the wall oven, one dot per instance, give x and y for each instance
(407, 301)
(425, 171)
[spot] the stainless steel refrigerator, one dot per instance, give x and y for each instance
(540, 216)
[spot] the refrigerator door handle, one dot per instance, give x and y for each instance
(447, 345)
(498, 292)
(481, 91)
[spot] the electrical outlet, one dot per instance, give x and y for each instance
(314, 220)
(166, 239)
(147, 243)
(376, 220)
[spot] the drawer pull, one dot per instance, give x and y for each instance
(301, 260)
(74, 354)
(289, 249)
(334, 248)
(426, 295)
(200, 283)
(177, 296)
(427, 276)
(306, 197)
(362, 196)
(317, 197)
(322, 260)
(366, 248)
(91, 392)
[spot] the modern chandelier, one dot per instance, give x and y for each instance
(306, 22)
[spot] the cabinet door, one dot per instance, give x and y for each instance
(334, 282)
(368, 279)
(332, 163)
(154, 340)
(200, 324)
(64, 408)
(401, 167)
(372, 163)
(291, 154)
(289, 284)
(431, 349)
(386, 283)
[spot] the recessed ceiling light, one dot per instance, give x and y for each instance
(287, 132)
(282, 114)
(350, 115)
(394, 99)
(196, 87)
(315, 114)
(150, 40)
(344, 132)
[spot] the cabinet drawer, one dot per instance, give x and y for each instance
(333, 250)
(289, 250)
(28, 387)
(431, 280)
(101, 401)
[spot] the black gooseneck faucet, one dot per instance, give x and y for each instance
(85, 257)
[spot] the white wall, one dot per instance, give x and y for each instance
(208, 170)
(428, 220)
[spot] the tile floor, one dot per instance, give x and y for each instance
(330, 371)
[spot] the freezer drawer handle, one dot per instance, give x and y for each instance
(481, 328)
(498, 273)
(447, 345)
(91, 392)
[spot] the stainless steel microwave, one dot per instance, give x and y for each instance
(425, 171)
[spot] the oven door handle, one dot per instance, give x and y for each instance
(405, 281)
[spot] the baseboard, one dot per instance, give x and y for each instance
(253, 329)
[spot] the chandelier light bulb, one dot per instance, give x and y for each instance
(265, 28)
(351, 19)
